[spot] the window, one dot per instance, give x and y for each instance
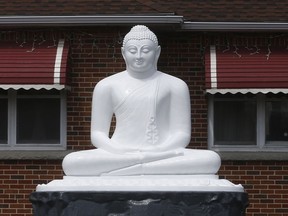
(32, 119)
(4, 120)
(255, 122)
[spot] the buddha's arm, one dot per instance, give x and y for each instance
(179, 133)
(102, 111)
(180, 118)
(101, 116)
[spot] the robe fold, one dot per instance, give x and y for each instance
(138, 108)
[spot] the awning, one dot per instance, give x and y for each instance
(33, 65)
(246, 69)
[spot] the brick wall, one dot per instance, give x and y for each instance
(266, 183)
(95, 54)
(19, 178)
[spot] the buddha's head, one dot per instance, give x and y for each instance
(140, 49)
(140, 32)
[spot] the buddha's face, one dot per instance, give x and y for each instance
(141, 55)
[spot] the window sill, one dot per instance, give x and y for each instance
(59, 155)
(249, 156)
(33, 155)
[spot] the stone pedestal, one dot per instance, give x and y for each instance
(154, 203)
(182, 195)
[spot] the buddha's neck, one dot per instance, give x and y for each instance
(141, 75)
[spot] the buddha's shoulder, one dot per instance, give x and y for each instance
(172, 80)
(110, 81)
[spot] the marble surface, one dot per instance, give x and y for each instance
(142, 183)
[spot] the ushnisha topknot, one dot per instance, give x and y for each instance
(140, 32)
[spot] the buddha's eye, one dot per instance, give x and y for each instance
(145, 50)
(132, 50)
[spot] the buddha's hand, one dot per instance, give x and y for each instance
(155, 156)
(179, 152)
(160, 148)
(151, 148)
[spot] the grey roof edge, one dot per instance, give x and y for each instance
(161, 19)
(234, 26)
(89, 20)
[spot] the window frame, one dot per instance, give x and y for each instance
(261, 144)
(12, 122)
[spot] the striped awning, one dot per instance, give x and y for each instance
(33, 65)
(246, 69)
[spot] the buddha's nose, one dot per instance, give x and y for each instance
(138, 55)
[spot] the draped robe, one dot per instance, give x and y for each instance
(136, 117)
(143, 119)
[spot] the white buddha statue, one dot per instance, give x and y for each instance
(153, 123)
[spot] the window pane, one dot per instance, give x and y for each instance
(44, 92)
(38, 120)
(276, 121)
(235, 122)
(3, 120)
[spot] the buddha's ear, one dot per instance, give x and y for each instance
(157, 54)
(158, 51)
(122, 51)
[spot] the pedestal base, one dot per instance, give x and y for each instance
(142, 183)
(155, 203)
